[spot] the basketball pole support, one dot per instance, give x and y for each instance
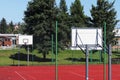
(109, 63)
(87, 63)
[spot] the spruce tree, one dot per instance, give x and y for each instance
(105, 12)
(40, 18)
(63, 6)
(3, 26)
(10, 28)
(64, 27)
(78, 18)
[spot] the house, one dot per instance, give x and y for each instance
(8, 40)
(117, 37)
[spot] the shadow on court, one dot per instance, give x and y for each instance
(34, 58)
(81, 59)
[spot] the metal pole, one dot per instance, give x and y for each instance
(19, 56)
(100, 52)
(91, 56)
(109, 64)
(104, 50)
(32, 55)
(87, 62)
(52, 48)
(72, 56)
(28, 56)
(56, 64)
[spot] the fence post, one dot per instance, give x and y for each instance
(28, 55)
(52, 48)
(105, 50)
(56, 55)
(19, 56)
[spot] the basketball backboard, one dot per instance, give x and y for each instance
(86, 36)
(25, 40)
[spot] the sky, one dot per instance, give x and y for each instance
(13, 10)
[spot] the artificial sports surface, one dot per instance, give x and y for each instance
(65, 72)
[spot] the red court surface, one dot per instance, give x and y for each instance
(66, 72)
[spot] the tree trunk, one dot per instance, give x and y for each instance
(44, 56)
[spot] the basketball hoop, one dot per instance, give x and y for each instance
(25, 41)
(92, 37)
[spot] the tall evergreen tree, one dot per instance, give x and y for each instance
(64, 29)
(63, 6)
(78, 19)
(21, 28)
(10, 27)
(40, 19)
(3, 26)
(105, 12)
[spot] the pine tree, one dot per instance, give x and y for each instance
(78, 19)
(104, 12)
(3, 26)
(64, 29)
(10, 27)
(21, 27)
(63, 6)
(40, 19)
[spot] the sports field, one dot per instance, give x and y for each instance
(65, 72)
(71, 66)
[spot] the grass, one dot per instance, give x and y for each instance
(11, 57)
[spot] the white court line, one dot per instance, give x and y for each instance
(32, 78)
(79, 75)
(20, 75)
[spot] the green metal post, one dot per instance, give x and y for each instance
(52, 48)
(28, 55)
(72, 56)
(91, 56)
(19, 56)
(32, 56)
(100, 52)
(104, 50)
(56, 64)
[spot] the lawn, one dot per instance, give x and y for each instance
(11, 57)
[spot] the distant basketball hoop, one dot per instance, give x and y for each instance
(25, 40)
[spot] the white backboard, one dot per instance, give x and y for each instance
(25, 40)
(86, 36)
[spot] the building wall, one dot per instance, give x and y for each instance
(117, 46)
(6, 41)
